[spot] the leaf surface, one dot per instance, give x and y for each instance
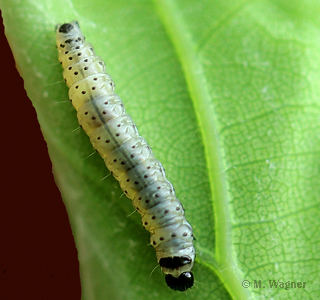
(227, 95)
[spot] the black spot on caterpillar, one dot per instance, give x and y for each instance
(127, 155)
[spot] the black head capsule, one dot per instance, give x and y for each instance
(185, 279)
(182, 283)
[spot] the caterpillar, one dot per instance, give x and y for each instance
(127, 155)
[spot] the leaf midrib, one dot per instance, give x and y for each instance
(226, 267)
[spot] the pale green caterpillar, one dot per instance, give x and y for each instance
(127, 155)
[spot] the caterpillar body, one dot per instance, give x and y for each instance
(127, 155)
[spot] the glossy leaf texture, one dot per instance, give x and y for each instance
(227, 94)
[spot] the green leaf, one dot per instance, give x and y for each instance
(227, 94)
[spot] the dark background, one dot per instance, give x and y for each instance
(38, 258)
